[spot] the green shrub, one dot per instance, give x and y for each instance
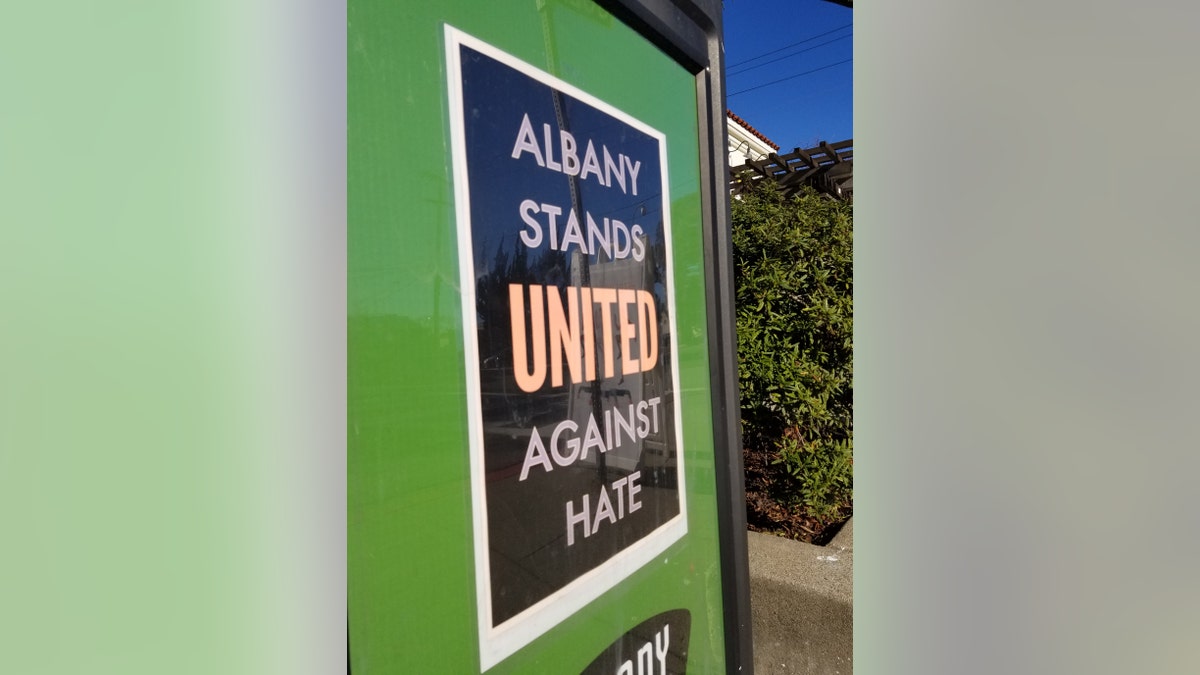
(795, 329)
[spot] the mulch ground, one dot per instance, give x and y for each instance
(766, 513)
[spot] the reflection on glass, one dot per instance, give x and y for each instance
(572, 313)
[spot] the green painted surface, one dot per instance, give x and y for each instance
(410, 559)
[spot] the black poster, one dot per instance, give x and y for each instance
(657, 645)
(564, 232)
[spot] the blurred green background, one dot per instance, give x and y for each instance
(172, 395)
(172, 427)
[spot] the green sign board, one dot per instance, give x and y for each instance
(564, 258)
(533, 469)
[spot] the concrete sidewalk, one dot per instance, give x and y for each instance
(801, 599)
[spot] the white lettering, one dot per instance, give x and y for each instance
(660, 647)
(532, 241)
(574, 519)
(610, 235)
(626, 490)
(550, 163)
(569, 157)
(621, 171)
(591, 165)
(639, 244)
(535, 454)
(572, 444)
(595, 235)
(572, 234)
(634, 167)
(567, 447)
(646, 655)
(554, 212)
(610, 166)
(645, 659)
(604, 510)
(625, 424)
(591, 437)
(620, 230)
(619, 486)
(526, 142)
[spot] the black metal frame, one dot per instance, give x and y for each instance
(690, 31)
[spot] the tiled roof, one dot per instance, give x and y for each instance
(746, 125)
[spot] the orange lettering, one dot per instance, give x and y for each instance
(564, 339)
(648, 323)
(605, 297)
(625, 298)
(528, 380)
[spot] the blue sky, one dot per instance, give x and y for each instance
(804, 110)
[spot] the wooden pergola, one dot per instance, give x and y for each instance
(828, 168)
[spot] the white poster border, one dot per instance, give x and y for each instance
(499, 642)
